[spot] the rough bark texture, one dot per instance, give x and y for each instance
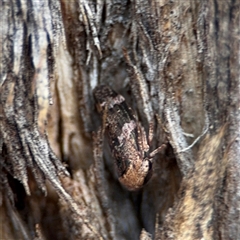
(177, 63)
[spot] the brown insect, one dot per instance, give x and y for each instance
(127, 138)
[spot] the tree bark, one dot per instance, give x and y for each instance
(177, 65)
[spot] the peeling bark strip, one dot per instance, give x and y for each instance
(127, 139)
(193, 215)
(28, 64)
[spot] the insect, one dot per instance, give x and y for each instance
(127, 138)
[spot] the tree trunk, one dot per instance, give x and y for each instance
(176, 63)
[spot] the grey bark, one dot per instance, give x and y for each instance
(177, 65)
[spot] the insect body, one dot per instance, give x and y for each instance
(127, 138)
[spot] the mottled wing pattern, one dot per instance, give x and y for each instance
(120, 124)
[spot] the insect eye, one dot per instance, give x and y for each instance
(147, 164)
(149, 173)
